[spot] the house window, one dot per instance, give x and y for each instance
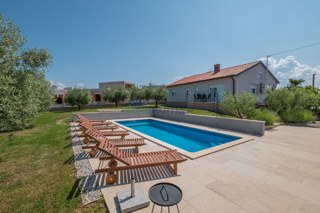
(188, 91)
(253, 88)
(259, 76)
(270, 86)
(197, 89)
(174, 93)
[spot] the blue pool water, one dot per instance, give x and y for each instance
(187, 138)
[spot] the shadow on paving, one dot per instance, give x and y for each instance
(140, 175)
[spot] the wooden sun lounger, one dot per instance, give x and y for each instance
(93, 122)
(94, 131)
(97, 137)
(133, 161)
(86, 125)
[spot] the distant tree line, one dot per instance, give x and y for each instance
(116, 94)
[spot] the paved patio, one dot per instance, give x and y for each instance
(279, 172)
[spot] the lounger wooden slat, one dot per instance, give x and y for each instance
(94, 122)
(86, 125)
(137, 160)
(98, 137)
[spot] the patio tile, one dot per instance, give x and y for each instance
(220, 168)
(211, 202)
(188, 209)
(305, 162)
(310, 194)
(285, 197)
(294, 210)
(312, 183)
(305, 173)
(250, 162)
(288, 175)
(246, 169)
(228, 192)
(242, 211)
(311, 208)
(189, 186)
(199, 176)
(252, 205)
(219, 159)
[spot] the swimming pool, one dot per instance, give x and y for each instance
(186, 138)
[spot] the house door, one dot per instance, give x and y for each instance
(98, 98)
(213, 94)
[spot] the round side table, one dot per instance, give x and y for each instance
(165, 194)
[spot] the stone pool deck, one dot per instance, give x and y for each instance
(278, 172)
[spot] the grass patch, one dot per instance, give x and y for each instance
(34, 176)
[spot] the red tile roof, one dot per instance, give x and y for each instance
(212, 75)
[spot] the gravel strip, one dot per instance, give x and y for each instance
(89, 188)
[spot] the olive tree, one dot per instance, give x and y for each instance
(136, 93)
(24, 91)
(156, 93)
(240, 104)
(78, 97)
(115, 94)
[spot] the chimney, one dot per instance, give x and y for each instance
(217, 68)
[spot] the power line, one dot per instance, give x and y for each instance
(293, 49)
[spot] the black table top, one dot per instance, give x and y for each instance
(165, 194)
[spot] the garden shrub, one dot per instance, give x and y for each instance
(283, 99)
(297, 116)
(240, 104)
(269, 116)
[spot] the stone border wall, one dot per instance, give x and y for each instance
(239, 125)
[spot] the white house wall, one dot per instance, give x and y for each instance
(203, 88)
(248, 77)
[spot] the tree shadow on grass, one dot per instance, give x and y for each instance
(68, 145)
(17, 130)
(75, 191)
(69, 161)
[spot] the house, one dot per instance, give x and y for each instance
(61, 93)
(203, 91)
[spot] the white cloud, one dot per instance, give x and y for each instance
(179, 77)
(80, 84)
(290, 68)
(60, 85)
(176, 78)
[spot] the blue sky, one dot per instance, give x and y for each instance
(162, 40)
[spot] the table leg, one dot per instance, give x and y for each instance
(152, 208)
(178, 208)
(168, 209)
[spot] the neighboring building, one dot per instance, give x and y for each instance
(95, 93)
(192, 91)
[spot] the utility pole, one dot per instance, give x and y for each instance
(313, 77)
(266, 71)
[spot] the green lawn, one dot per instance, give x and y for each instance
(37, 172)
